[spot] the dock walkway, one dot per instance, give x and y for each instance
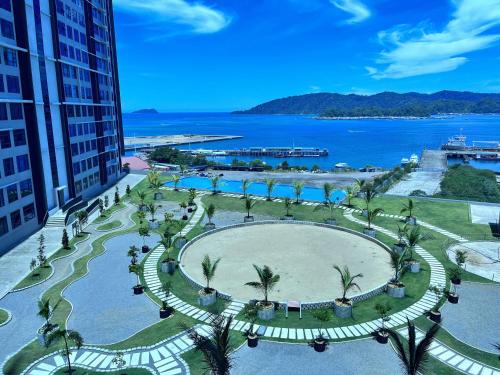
(434, 161)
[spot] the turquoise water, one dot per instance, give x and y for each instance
(258, 188)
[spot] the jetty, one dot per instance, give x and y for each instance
(145, 143)
(274, 152)
(434, 161)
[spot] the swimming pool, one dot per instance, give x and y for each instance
(257, 188)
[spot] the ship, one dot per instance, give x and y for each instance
(457, 142)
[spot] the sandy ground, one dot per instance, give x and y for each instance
(303, 256)
(483, 258)
(426, 181)
(482, 214)
(312, 179)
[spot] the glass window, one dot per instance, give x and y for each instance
(15, 219)
(5, 139)
(29, 212)
(7, 28)
(8, 167)
(23, 163)
(2, 86)
(5, 4)
(26, 187)
(12, 193)
(19, 137)
(4, 228)
(13, 84)
(2, 199)
(10, 57)
(16, 111)
(74, 149)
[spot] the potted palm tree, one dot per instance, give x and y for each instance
(298, 186)
(350, 190)
(320, 342)
(382, 333)
(455, 275)
(191, 198)
(370, 217)
(144, 232)
(359, 187)
(402, 233)
(210, 215)
(288, 206)
(176, 179)
(208, 296)
(44, 311)
(395, 288)
(343, 306)
(168, 264)
(453, 294)
(434, 313)
(249, 204)
(413, 356)
(215, 184)
(408, 208)
(67, 336)
(183, 205)
(413, 238)
(181, 241)
(142, 198)
(270, 183)
(267, 281)
(250, 313)
(156, 185)
(460, 258)
(330, 206)
(153, 223)
(166, 310)
(132, 253)
(136, 269)
(245, 184)
(327, 192)
(369, 194)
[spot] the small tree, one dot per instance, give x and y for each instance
(106, 201)
(117, 197)
(438, 293)
(67, 336)
(383, 310)
(414, 237)
(132, 253)
(372, 214)
(245, 184)
(249, 204)
(288, 205)
(183, 205)
(82, 217)
(166, 288)
(215, 184)
(44, 312)
(210, 212)
(42, 259)
(191, 196)
(176, 179)
(402, 234)
(152, 211)
(409, 207)
(270, 183)
(323, 316)
(398, 265)
(461, 257)
(118, 360)
(142, 197)
(369, 194)
(144, 232)
(65, 240)
(128, 191)
(327, 192)
(101, 207)
(351, 190)
(267, 281)
(298, 186)
(209, 269)
(141, 215)
(347, 281)
(33, 267)
(330, 206)
(136, 269)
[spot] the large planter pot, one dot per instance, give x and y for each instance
(153, 224)
(180, 242)
(399, 248)
(145, 249)
(396, 291)
(168, 266)
(319, 345)
(138, 289)
(185, 217)
(248, 219)
(207, 298)
(456, 281)
(266, 312)
(331, 221)
(209, 226)
(370, 232)
(453, 298)
(190, 209)
(413, 266)
(165, 313)
(435, 316)
(342, 310)
(158, 196)
(288, 218)
(42, 334)
(252, 341)
(382, 337)
(412, 220)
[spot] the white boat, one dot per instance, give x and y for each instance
(404, 161)
(341, 165)
(414, 159)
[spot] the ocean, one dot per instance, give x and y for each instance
(377, 142)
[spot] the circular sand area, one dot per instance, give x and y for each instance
(303, 255)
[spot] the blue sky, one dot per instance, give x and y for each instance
(220, 55)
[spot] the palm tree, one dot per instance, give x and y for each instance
(327, 206)
(44, 311)
(66, 335)
(372, 214)
(288, 205)
(132, 253)
(369, 194)
(82, 217)
(142, 197)
(267, 281)
(176, 179)
(413, 238)
(215, 184)
(153, 177)
(461, 257)
(249, 204)
(408, 208)
(210, 212)
(270, 183)
(209, 269)
(166, 241)
(152, 211)
(359, 185)
(144, 232)
(398, 265)
(245, 184)
(351, 190)
(347, 281)
(327, 191)
(297, 188)
(216, 347)
(156, 185)
(166, 287)
(414, 356)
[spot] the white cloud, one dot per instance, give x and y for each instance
(314, 89)
(418, 51)
(357, 9)
(198, 18)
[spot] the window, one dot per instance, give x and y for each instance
(7, 28)
(2, 86)
(12, 193)
(13, 84)
(29, 212)
(15, 219)
(74, 149)
(26, 188)
(8, 167)
(4, 228)
(2, 199)
(3, 111)
(16, 111)
(76, 168)
(23, 163)
(19, 137)
(5, 139)
(5, 4)
(10, 57)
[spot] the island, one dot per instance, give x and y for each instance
(147, 111)
(382, 105)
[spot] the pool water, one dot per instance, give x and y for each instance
(258, 189)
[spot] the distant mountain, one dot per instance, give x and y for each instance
(147, 110)
(381, 105)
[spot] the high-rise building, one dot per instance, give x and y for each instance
(60, 115)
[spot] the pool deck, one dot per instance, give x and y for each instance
(142, 142)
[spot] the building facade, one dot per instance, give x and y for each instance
(60, 115)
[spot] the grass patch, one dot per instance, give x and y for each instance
(110, 226)
(4, 315)
(107, 213)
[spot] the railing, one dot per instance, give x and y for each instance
(71, 203)
(74, 209)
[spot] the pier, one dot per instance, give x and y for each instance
(151, 142)
(434, 161)
(274, 152)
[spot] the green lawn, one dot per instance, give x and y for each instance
(4, 315)
(110, 226)
(108, 212)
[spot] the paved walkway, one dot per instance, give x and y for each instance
(452, 358)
